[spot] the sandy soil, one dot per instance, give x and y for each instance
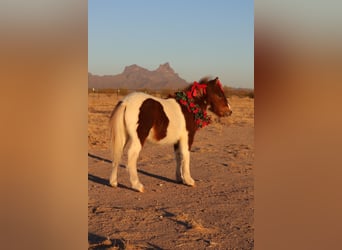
(218, 213)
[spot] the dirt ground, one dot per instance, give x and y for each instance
(218, 213)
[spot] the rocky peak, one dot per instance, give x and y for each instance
(132, 68)
(136, 77)
(165, 68)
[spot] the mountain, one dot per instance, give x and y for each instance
(136, 77)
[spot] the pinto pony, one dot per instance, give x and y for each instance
(140, 117)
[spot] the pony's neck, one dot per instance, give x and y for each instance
(193, 100)
(202, 102)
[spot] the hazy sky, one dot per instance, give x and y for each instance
(197, 37)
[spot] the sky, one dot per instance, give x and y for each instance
(197, 37)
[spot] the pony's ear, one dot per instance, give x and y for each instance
(218, 82)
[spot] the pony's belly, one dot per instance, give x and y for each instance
(172, 136)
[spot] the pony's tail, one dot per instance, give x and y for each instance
(118, 132)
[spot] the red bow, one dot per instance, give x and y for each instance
(196, 86)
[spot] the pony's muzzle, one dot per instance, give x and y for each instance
(223, 113)
(227, 113)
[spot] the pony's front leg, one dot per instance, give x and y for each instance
(185, 163)
(133, 154)
(178, 162)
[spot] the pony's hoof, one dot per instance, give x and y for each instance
(113, 183)
(139, 188)
(190, 183)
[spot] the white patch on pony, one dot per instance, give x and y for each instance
(172, 109)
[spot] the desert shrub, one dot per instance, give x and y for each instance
(166, 92)
(122, 91)
(240, 92)
(251, 94)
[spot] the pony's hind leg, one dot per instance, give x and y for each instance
(133, 154)
(113, 179)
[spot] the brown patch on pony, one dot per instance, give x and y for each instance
(152, 115)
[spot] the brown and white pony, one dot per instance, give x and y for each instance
(140, 117)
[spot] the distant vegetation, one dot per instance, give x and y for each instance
(240, 92)
(123, 91)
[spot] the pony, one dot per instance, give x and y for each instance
(140, 117)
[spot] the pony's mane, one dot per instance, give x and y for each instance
(205, 79)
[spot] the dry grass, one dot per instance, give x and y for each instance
(240, 92)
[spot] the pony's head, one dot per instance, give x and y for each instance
(215, 97)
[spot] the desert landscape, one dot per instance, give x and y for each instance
(218, 213)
